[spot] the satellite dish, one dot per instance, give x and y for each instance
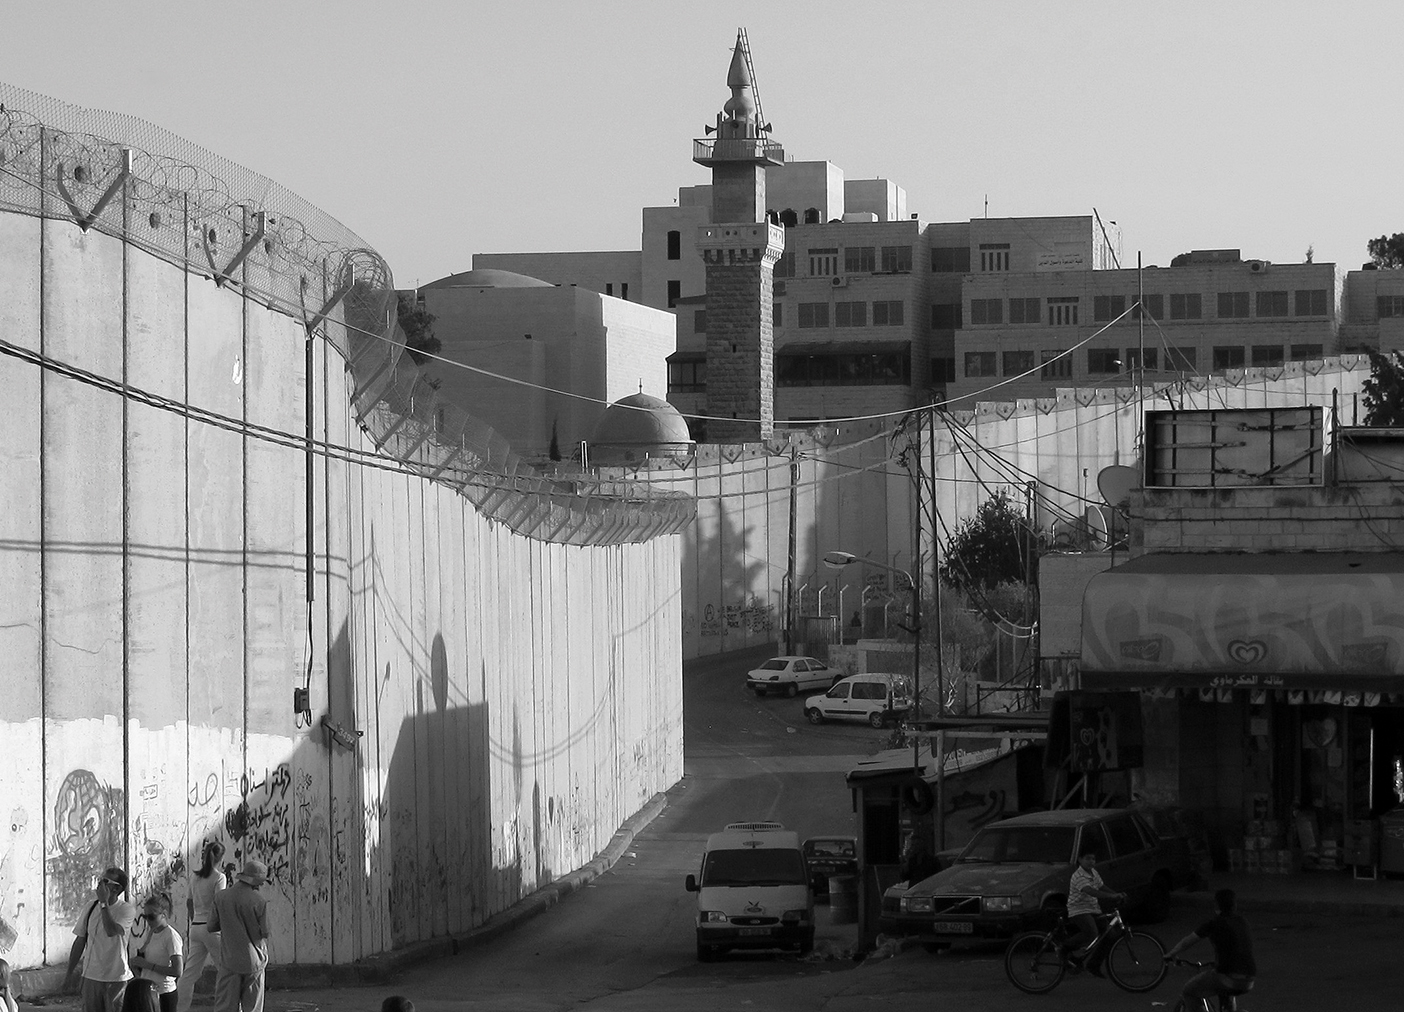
(1116, 482)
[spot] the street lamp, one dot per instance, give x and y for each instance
(839, 560)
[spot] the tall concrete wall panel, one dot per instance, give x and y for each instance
(157, 614)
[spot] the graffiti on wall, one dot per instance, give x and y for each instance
(260, 824)
(11, 895)
(755, 617)
(87, 837)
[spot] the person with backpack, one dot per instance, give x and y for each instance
(100, 946)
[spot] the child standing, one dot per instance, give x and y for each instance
(156, 957)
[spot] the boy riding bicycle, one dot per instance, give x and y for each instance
(1234, 967)
(1085, 890)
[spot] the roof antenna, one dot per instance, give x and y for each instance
(987, 205)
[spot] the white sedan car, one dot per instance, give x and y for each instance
(790, 674)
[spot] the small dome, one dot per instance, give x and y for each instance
(638, 427)
(487, 277)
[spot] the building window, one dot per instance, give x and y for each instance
(1056, 365)
(943, 370)
(858, 369)
(889, 314)
(1025, 311)
(823, 262)
(811, 216)
(1272, 304)
(1389, 306)
(994, 256)
(858, 260)
(674, 293)
(1184, 358)
(785, 266)
(986, 311)
(1188, 306)
(950, 260)
(896, 258)
(1305, 352)
(1133, 358)
(1154, 305)
(624, 290)
(1017, 363)
(850, 314)
(946, 316)
(609, 288)
(687, 377)
(813, 314)
(1107, 307)
(1233, 305)
(1228, 356)
(1311, 302)
(675, 245)
(777, 314)
(1062, 312)
(1102, 361)
(1267, 354)
(979, 363)
(789, 218)
(699, 321)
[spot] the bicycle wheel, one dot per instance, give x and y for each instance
(1033, 963)
(1136, 962)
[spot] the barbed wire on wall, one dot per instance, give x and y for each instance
(239, 229)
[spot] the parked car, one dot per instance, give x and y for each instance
(789, 674)
(876, 698)
(1013, 875)
(830, 855)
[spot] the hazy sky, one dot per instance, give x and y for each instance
(441, 129)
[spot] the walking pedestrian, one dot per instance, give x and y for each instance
(240, 915)
(156, 957)
(203, 944)
(100, 945)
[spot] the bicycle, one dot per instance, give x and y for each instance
(1227, 1002)
(1035, 961)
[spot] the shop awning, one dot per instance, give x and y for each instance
(1312, 620)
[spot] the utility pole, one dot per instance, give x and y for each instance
(790, 567)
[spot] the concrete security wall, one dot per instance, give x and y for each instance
(853, 493)
(505, 703)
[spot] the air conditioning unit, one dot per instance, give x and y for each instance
(839, 281)
(1257, 266)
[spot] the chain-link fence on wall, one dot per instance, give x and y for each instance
(241, 229)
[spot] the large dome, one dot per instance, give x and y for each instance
(638, 427)
(488, 278)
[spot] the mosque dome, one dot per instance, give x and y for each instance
(487, 278)
(637, 428)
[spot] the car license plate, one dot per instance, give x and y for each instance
(753, 932)
(954, 927)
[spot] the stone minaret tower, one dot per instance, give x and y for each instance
(740, 248)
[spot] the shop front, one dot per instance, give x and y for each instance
(1272, 689)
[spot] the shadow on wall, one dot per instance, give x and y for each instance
(729, 614)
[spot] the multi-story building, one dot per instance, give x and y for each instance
(1372, 313)
(1026, 333)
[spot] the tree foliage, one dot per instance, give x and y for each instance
(1387, 251)
(1384, 390)
(418, 326)
(989, 548)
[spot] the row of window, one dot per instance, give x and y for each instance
(1055, 364)
(824, 261)
(1105, 308)
(814, 315)
(1389, 306)
(844, 369)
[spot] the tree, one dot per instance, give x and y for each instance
(989, 548)
(1384, 390)
(418, 326)
(1387, 251)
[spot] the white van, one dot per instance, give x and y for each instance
(875, 697)
(753, 891)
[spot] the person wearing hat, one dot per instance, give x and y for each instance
(240, 915)
(100, 945)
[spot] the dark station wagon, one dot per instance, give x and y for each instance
(1013, 875)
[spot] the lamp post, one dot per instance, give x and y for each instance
(839, 560)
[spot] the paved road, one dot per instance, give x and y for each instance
(625, 941)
